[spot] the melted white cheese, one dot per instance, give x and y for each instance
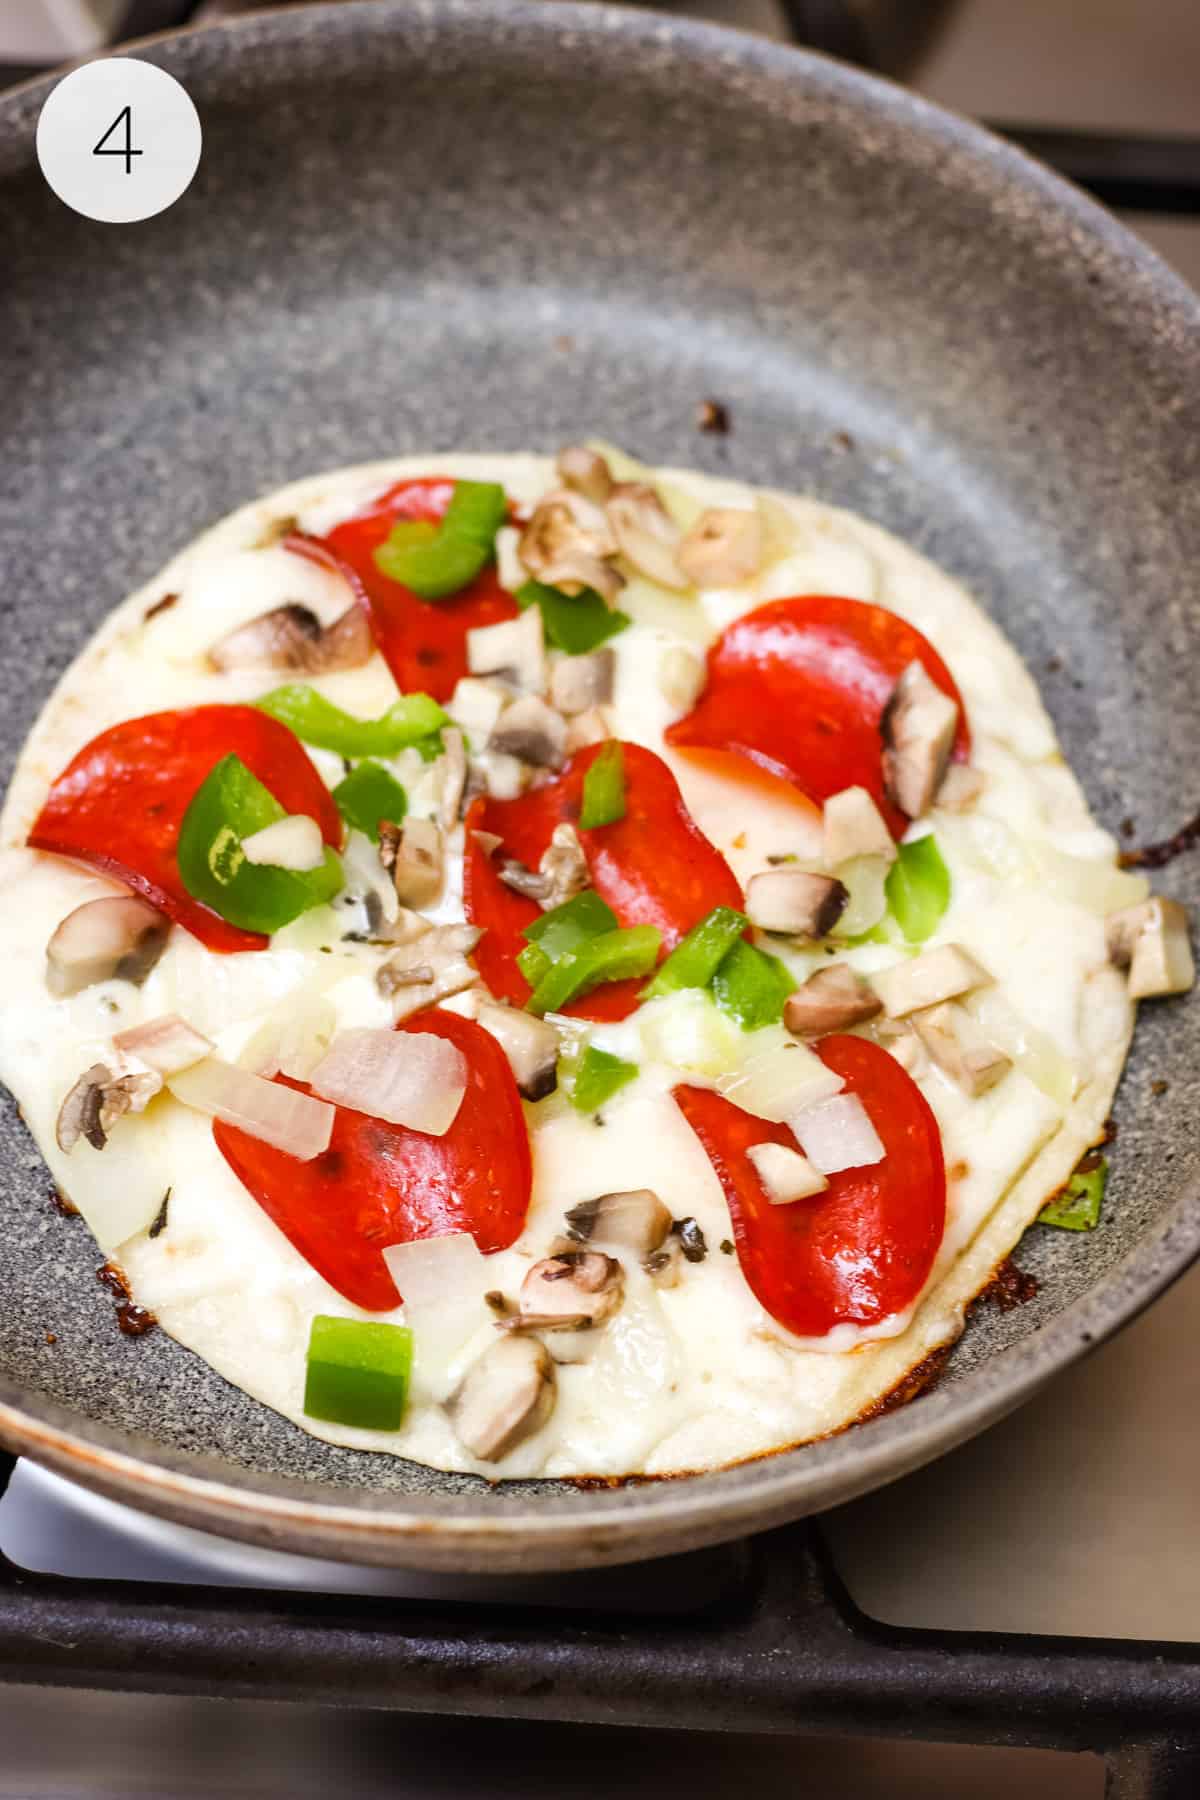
(687, 1377)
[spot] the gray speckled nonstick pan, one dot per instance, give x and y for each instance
(490, 224)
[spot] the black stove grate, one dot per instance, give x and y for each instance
(777, 1646)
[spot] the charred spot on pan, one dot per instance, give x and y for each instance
(134, 1320)
(113, 1277)
(160, 606)
(1157, 856)
(62, 1204)
(842, 443)
(159, 1224)
(1009, 1287)
(713, 416)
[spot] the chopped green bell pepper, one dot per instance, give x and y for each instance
(614, 956)
(232, 804)
(318, 721)
(358, 1372)
(575, 623)
(918, 888)
(697, 957)
(368, 794)
(604, 788)
(1077, 1206)
(596, 1077)
(568, 926)
(533, 963)
(751, 987)
(436, 561)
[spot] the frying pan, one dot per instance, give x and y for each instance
(494, 224)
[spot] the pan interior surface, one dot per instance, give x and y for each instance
(500, 226)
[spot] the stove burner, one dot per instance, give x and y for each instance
(775, 1643)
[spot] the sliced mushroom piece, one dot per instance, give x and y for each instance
(561, 874)
(901, 1041)
(514, 650)
(961, 788)
(786, 1175)
(416, 857)
(532, 731)
(795, 902)
(531, 1046)
(590, 727)
(682, 674)
(119, 937)
(575, 573)
(832, 999)
(692, 1240)
(917, 726)
(500, 777)
(959, 1048)
(567, 539)
(853, 826)
(434, 969)
(580, 1286)
(564, 866)
(1151, 941)
(724, 548)
(505, 1396)
(451, 774)
(646, 533)
(97, 1100)
(579, 682)
(635, 1218)
(586, 472)
(476, 705)
(665, 1265)
(292, 637)
(941, 974)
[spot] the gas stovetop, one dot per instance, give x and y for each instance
(1039, 1587)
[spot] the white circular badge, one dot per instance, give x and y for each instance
(118, 140)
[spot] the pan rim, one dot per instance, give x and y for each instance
(504, 1528)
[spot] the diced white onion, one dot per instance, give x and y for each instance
(864, 879)
(437, 1271)
(293, 1040)
(167, 1044)
(838, 1134)
(785, 1174)
(1099, 887)
(779, 1078)
(291, 843)
(686, 1031)
(278, 1115)
(406, 1077)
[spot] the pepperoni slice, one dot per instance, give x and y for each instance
(380, 1184)
(799, 685)
(861, 1251)
(423, 641)
(119, 804)
(654, 867)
